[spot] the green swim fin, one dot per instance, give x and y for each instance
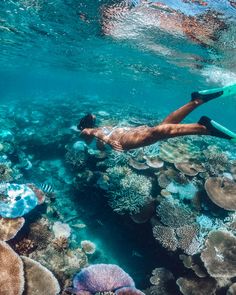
(217, 129)
(209, 94)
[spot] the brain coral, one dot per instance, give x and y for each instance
(102, 278)
(11, 270)
(219, 255)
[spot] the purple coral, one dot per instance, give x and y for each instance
(128, 291)
(102, 278)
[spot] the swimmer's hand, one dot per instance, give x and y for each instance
(116, 145)
(74, 128)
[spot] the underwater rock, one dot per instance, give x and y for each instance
(102, 278)
(39, 280)
(222, 192)
(197, 286)
(88, 247)
(9, 227)
(61, 229)
(11, 270)
(219, 254)
(16, 200)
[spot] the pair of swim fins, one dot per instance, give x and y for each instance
(215, 128)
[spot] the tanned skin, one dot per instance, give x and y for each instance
(122, 139)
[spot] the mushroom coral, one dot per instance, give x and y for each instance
(11, 270)
(219, 254)
(222, 192)
(10, 227)
(39, 280)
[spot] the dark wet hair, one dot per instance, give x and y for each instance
(87, 121)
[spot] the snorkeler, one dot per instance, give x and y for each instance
(126, 138)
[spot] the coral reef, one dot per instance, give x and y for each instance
(128, 192)
(219, 254)
(16, 200)
(60, 244)
(62, 263)
(10, 227)
(39, 279)
(103, 278)
(88, 247)
(222, 192)
(194, 286)
(5, 173)
(11, 269)
(25, 246)
(61, 229)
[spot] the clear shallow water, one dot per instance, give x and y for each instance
(69, 50)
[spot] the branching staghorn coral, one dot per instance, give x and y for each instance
(128, 191)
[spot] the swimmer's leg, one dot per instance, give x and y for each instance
(197, 99)
(205, 126)
(178, 115)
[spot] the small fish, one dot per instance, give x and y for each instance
(46, 188)
(137, 254)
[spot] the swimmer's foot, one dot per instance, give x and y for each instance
(216, 129)
(116, 145)
(206, 95)
(210, 94)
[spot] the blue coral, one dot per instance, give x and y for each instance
(102, 278)
(16, 200)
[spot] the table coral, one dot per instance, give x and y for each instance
(219, 254)
(222, 192)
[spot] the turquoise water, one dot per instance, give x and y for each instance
(129, 65)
